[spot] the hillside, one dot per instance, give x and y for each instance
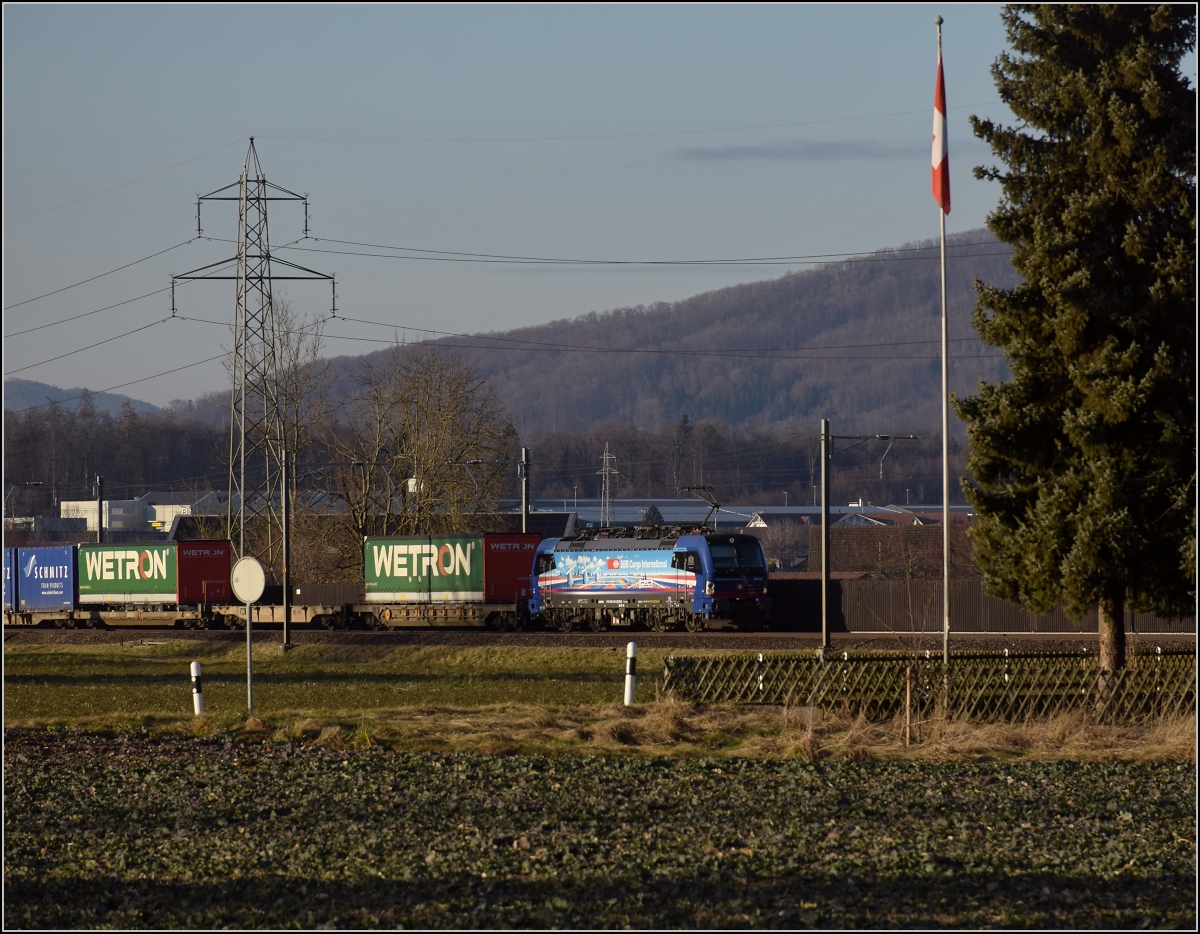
(753, 366)
(855, 341)
(24, 393)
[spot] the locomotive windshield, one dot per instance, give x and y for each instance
(737, 555)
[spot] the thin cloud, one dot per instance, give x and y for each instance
(801, 150)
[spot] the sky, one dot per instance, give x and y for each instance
(585, 132)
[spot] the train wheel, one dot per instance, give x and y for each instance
(695, 624)
(598, 624)
(659, 624)
(566, 623)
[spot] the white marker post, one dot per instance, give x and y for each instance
(248, 582)
(630, 672)
(197, 690)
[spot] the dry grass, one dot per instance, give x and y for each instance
(675, 728)
(501, 701)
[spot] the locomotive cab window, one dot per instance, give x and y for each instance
(545, 563)
(686, 561)
(737, 555)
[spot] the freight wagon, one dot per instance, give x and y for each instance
(422, 580)
(10, 560)
(504, 581)
(448, 580)
(97, 585)
(663, 583)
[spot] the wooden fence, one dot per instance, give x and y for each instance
(981, 686)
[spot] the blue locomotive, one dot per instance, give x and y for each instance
(624, 578)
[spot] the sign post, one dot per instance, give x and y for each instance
(248, 581)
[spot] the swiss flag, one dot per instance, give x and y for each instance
(941, 158)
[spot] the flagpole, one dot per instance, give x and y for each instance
(945, 421)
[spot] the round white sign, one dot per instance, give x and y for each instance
(248, 580)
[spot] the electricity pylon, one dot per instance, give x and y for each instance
(607, 472)
(256, 433)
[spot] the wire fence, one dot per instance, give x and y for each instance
(979, 686)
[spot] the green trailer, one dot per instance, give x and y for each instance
(423, 569)
(124, 574)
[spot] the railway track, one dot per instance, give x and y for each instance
(719, 640)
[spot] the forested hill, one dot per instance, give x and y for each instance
(857, 342)
(21, 394)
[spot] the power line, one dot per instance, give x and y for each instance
(547, 261)
(749, 353)
(124, 184)
(598, 136)
(812, 257)
(97, 311)
(132, 382)
(71, 353)
(558, 346)
(101, 276)
(128, 301)
(745, 353)
(742, 355)
(481, 256)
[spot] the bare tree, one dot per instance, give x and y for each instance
(680, 450)
(782, 542)
(303, 389)
(431, 448)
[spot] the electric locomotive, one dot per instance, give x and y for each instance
(650, 577)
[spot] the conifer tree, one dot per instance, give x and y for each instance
(1083, 462)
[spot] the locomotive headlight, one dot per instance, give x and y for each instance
(764, 590)
(709, 588)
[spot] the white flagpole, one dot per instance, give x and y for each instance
(945, 429)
